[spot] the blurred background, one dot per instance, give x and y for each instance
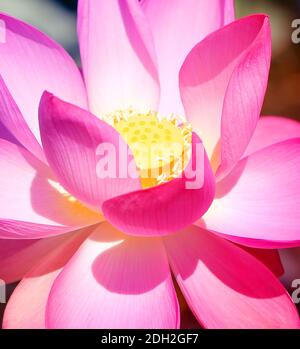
(57, 18)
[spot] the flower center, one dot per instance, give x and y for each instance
(160, 146)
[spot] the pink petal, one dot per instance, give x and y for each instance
(222, 84)
(225, 286)
(257, 204)
(271, 130)
(27, 306)
(42, 65)
(71, 139)
(12, 119)
(31, 206)
(114, 281)
(19, 256)
(5, 134)
(118, 57)
(168, 207)
(270, 258)
(177, 26)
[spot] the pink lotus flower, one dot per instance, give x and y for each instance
(79, 271)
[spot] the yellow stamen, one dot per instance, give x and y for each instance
(160, 146)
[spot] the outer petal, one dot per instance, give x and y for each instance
(19, 256)
(72, 138)
(270, 258)
(31, 204)
(257, 204)
(15, 124)
(177, 26)
(117, 56)
(5, 133)
(27, 306)
(225, 286)
(168, 207)
(271, 130)
(114, 282)
(42, 65)
(222, 84)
